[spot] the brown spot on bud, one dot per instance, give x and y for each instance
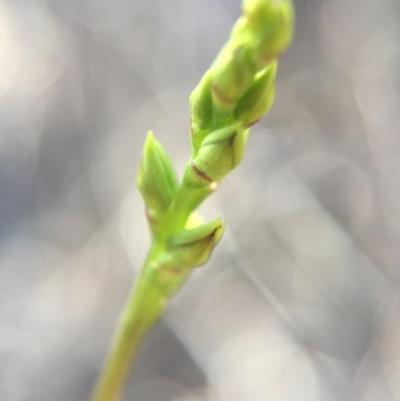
(174, 271)
(252, 123)
(221, 97)
(200, 173)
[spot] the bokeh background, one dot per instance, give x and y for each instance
(300, 301)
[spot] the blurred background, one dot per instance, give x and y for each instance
(300, 301)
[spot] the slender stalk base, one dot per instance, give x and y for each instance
(142, 310)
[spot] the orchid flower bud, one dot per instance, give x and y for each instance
(220, 152)
(271, 25)
(231, 75)
(257, 101)
(156, 180)
(193, 247)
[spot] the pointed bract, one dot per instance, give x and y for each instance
(193, 247)
(156, 180)
(201, 103)
(201, 106)
(257, 101)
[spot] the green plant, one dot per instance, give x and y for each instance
(233, 95)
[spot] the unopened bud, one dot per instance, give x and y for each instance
(220, 152)
(271, 25)
(257, 101)
(193, 247)
(231, 75)
(156, 179)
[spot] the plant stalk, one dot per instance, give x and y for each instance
(143, 308)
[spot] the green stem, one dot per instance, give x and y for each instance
(188, 198)
(145, 305)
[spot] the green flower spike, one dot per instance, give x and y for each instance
(234, 94)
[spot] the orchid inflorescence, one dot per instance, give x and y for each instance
(233, 95)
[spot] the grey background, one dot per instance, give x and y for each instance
(299, 301)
